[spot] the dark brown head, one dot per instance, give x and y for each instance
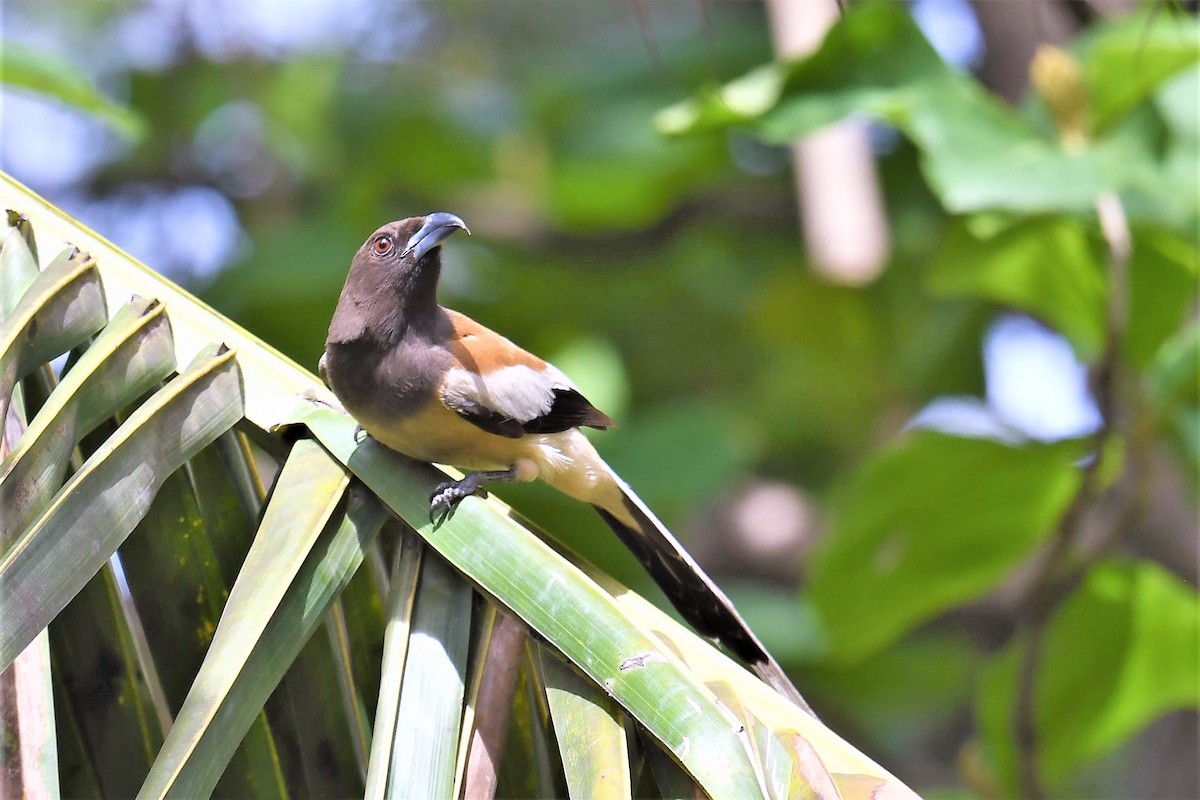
(393, 277)
(406, 242)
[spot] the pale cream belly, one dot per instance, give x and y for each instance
(440, 436)
(565, 460)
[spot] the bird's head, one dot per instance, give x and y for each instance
(393, 279)
(407, 244)
(401, 261)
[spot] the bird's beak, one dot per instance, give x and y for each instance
(437, 227)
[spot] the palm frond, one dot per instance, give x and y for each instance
(138, 531)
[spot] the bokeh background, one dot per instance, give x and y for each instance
(262, 141)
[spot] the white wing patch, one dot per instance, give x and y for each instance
(517, 392)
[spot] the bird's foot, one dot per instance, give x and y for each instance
(446, 497)
(360, 433)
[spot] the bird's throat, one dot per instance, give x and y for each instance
(380, 306)
(416, 293)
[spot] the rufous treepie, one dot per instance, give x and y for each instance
(437, 386)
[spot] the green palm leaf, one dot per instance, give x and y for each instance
(162, 470)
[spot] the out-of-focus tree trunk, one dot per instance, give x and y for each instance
(841, 207)
(1113, 8)
(1012, 31)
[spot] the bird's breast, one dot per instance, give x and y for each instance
(438, 435)
(396, 395)
(384, 382)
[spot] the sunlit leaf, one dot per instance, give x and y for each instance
(1125, 60)
(62, 306)
(302, 557)
(270, 380)
(554, 598)
(429, 717)
(976, 153)
(179, 564)
(18, 264)
(44, 75)
(27, 714)
(401, 596)
(642, 673)
(756, 700)
(591, 734)
(132, 354)
(68, 544)
(1047, 267)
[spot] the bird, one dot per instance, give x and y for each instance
(435, 385)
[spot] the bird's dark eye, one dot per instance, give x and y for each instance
(383, 245)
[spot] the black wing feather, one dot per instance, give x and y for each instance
(569, 409)
(490, 421)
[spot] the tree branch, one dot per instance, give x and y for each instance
(1061, 572)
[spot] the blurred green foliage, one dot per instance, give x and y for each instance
(665, 274)
(932, 523)
(34, 72)
(1098, 684)
(937, 520)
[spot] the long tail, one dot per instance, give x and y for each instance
(697, 598)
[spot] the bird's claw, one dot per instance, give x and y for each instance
(447, 496)
(360, 433)
(439, 513)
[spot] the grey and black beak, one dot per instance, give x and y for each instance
(437, 227)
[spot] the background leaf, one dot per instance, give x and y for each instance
(933, 522)
(34, 71)
(1132, 632)
(1162, 275)
(1047, 267)
(976, 154)
(1125, 61)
